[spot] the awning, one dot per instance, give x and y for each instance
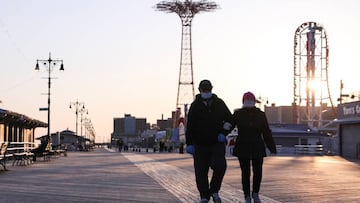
(13, 118)
(347, 120)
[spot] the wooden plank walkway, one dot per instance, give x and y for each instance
(103, 176)
(97, 176)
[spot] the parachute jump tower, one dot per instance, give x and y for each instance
(311, 86)
(186, 11)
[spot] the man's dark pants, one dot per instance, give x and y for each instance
(206, 157)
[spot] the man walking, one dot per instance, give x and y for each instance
(208, 123)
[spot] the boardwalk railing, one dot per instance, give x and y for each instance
(309, 149)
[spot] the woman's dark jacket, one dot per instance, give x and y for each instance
(205, 121)
(254, 133)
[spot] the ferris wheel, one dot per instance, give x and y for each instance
(311, 85)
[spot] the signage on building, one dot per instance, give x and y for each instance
(349, 110)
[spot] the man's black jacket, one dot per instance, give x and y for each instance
(205, 120)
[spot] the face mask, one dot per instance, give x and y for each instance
(206, 95)
(249, 103)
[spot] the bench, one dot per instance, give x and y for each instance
(21, 152)
(4, 156)
(44, 150)
(59, 151)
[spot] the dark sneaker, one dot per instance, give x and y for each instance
(247, 199)
(216, 198)
(204, 200)
(256, 197)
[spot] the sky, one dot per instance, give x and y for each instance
(122, 57)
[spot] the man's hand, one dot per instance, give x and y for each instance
(222, 138)
(190, 149)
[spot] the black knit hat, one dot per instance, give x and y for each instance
(205, 85)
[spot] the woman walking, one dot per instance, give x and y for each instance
(254, 135)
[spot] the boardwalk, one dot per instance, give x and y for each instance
(103, 176)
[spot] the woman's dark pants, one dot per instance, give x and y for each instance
(245, 174)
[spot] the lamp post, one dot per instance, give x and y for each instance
(82, 111)
(260, 100)
(49, 64)
(87, 122)
(89, 132)
(79, 107)
(340, 99)
(353, 96)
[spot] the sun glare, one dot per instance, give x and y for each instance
(314, 86)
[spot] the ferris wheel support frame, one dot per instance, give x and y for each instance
(311, 83)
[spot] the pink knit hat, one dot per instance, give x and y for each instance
(249, 96)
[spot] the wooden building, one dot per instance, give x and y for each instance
(15, 127)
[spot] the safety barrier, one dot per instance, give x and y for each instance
(309, 149)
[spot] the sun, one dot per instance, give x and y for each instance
(314, 86)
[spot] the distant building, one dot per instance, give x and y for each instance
(349, 129)
(163, 124)
(67, 139)
(287, 114)
(288, 133)
(128, 128)
(279, 114)
(172, 122)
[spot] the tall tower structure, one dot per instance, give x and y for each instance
(311, 85)
(186, 11)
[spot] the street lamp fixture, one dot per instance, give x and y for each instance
(49, 64)
(87, 130)
(79, 108)
(82, 112)
(262, 100)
